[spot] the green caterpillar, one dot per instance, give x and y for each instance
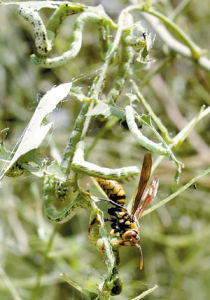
(61, 203)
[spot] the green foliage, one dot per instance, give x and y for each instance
(130, 83)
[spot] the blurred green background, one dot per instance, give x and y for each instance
(175, 238)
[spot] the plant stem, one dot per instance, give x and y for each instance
(179, 9)
(174, 195)
(34, 294)
(145, 293)
(157, 120)
(195, 50)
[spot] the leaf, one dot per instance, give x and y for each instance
(143, 55)
(4, 154)
(132, 98)
(40, 170)
(107, 111)
(100, 109)
(146, 119)
(37, 5)
(35, 132)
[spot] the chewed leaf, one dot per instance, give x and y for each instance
(146, 119)
(40, 170)
(35, 132)
(100, 109)
(38, 5)
(132, 98)
(107, 111)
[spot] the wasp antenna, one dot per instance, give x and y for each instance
(141, 257)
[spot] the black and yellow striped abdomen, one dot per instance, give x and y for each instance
(121, 221)
(113, 189)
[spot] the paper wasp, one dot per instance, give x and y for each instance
(122, 222)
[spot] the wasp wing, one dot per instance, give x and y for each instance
(150, 194)
(144, 178)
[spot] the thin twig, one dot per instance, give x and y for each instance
(35, 292)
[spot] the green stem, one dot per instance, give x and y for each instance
(195, 50)
(74, 139)
(127, 54)
(179, 9)
(157, 120)
(145, 293)
(34, 294)
(184, 133)
(174, 44)
(112, 277)
(9, 284)
(81, 290)
(177, 193)
(104, 38)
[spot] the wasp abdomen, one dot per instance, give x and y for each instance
(113, 189)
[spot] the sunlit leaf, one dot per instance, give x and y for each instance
(35, 132)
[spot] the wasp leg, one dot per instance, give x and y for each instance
(124, 242)
(109, 220)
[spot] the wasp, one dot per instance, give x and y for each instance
(123, 222)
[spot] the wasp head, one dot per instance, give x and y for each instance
(132, 237)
